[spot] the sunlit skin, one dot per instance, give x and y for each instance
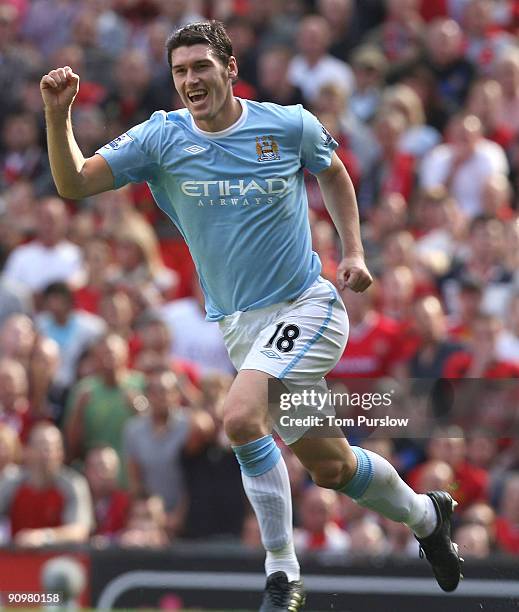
(196, 68)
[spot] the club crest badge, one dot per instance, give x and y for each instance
(267, 148)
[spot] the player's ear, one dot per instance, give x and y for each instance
(232, 69)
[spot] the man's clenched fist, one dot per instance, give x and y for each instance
(352, 273)
(59, 88)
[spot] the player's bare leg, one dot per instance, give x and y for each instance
(374, 483)
(266, 483)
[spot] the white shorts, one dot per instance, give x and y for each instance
(298, 341)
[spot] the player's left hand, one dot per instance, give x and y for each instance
(353, 274)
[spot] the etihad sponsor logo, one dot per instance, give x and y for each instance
(236, 192)
(240, 187)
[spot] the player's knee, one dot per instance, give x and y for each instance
(242, 426)
(333, 474)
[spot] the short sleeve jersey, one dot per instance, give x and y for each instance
(237, 196)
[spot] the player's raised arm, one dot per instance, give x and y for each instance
(75, 177)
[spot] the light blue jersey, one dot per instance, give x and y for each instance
(237, 196)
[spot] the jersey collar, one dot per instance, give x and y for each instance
(232, 128)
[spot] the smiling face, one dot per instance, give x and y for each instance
(205, 85)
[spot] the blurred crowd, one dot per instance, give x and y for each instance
(112, 382)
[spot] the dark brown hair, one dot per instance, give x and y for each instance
(211, 33)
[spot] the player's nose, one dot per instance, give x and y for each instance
(191, 77)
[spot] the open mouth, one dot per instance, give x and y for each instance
(196, 96)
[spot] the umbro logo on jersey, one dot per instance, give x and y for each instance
(267, 148)
(194, 149)
(271, 354)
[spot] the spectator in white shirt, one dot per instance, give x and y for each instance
(194, 338)
(464, 163)
(50, 257)
(314, 67)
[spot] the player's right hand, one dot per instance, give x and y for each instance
(58, 88)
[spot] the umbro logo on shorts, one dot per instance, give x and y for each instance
(194, 149)
(271, 354)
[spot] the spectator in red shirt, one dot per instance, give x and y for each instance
(448, 445)
(96, 267)
(507, 522)
(47, 502)
(392, 171)
(370, 352)
(470, 297)
(318, 530)
(480, 359)
(111, 503)
(397, 299)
